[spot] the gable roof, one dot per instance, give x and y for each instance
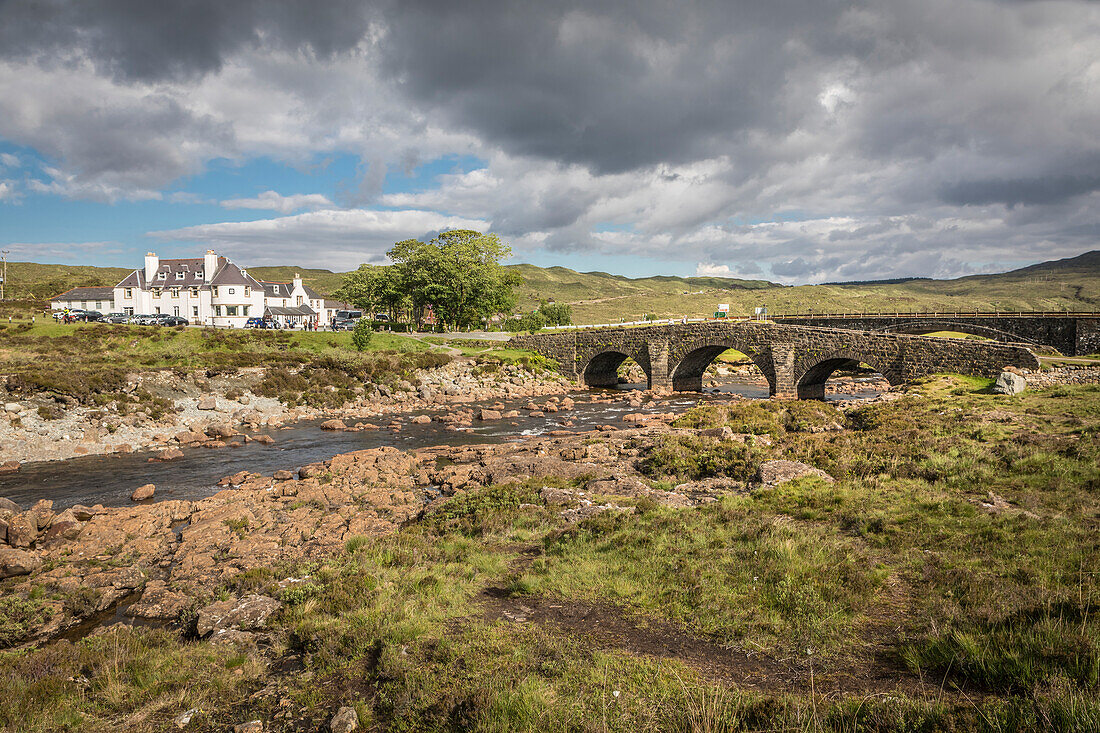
(88, 293)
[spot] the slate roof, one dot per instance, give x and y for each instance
(187, 273)
(285, 289)
(92, 293)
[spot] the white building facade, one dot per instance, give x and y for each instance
(208, 291)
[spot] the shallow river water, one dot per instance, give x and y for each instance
(110, 479)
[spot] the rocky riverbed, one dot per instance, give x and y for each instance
(198, 408)
(169, 561)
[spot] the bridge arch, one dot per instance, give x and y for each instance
(693, 359)
(924, 326)
(812, 371)
(602, 368)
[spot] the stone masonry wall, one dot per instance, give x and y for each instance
(796, 360)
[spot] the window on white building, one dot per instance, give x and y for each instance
(180, 276)
(129, 292)
(156, 292)
(299, 300)
(83, 305)
(194, 292)
(217, 310)
(275, 289)
(194, 311)
(99, 305)
(231, 310)
(215, 290)
(175, 310)
(247, 291)
(157, 309)
(128, 311)
(162, 276)
(232, 291)
(175, 293)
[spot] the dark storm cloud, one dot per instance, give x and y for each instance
(611, 85)
(1047, 190)
(150, 40)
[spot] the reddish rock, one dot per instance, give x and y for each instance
(311, 471)
(9, 467)
(264, 439)
(17, 562)
(207, 403)
(333, 425)
(142, 493)
(187, 437)
(489, 415)
(170, 454)
(215, 444)
(421, 419)
(282, 475)
(22, 529)
(220, 431)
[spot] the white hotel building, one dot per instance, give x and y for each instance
(207, 291)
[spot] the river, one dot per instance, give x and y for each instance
(110, 479)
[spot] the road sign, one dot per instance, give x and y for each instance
(724, 307)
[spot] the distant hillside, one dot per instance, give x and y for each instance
(323, 281)
(598, 297)
(34, 281)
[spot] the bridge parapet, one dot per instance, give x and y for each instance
(795, 360)
(1072, 334)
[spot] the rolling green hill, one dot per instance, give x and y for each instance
(598, 297)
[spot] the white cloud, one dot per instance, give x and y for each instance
(706, 269)
(336, 238)
(9, 161)
(7, 191)
(274, 201)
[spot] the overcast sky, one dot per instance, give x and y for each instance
(798, 141)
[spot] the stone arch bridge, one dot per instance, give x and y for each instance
(1072, 334)
(796, 360)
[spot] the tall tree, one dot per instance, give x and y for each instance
(459, 274)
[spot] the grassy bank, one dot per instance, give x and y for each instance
(947, 580)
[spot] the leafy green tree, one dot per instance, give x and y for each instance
(556, 314)
(459, 274)
(362, 335)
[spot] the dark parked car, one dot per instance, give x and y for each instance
(255, 322)
(174, 321)
(89, 316)
(344, 324)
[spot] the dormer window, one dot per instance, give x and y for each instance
(275, 289)
(162, 275)
(180, 276)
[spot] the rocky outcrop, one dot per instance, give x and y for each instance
(15, 562)
(774, 473)
(246, 614)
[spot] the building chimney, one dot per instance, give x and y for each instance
(209, 265)
(152, 262)
(297, 281)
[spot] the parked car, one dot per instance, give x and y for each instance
(71, 312)
(348, 315)
(255, 322)
(175, 321)
(116, 318)
(90, 316)
(344, 324)
(143, 319)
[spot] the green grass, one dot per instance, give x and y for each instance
(983, 620)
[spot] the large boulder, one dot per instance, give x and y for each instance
(1009, 383)
(333, 424)
(773, 473)
(17, 562)
(207, 403)
(248, 613)
(7, 505)
(142, 493)
(345, 721)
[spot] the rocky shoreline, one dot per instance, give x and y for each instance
(170, 561)
(201, 409)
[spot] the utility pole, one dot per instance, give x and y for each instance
(4, 280)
